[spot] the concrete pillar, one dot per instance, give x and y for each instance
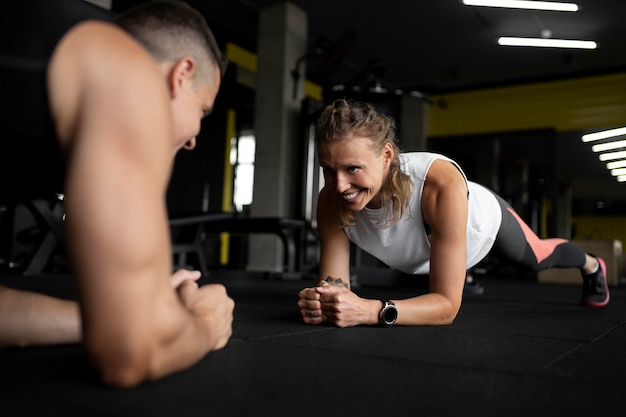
(413, 123)
(282, 39)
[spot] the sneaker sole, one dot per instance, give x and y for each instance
(608, 295)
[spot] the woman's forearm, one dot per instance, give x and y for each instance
(429, 309)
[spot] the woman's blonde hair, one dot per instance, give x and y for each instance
(344, 120)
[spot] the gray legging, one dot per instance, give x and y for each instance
(516, 242)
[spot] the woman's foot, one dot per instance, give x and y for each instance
(595, 287)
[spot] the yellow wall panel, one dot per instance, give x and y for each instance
(578, 104)
(600, 228)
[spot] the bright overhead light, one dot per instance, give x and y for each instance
(519, 4)
(601, 147)
(616, 164)
(618, 172)
(546, 43)
(611, 133)
(612, 155)
(621, 178)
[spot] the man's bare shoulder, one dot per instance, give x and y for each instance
(97, 60)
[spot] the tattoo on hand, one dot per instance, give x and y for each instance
(337, 282)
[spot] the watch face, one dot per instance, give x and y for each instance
(390, 314)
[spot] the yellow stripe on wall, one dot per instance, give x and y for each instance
(568, 105)
(313, 91)
(600, 227)
(227, 193)
(242, 57)
(248, 60)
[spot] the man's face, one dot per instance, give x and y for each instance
(190, 105)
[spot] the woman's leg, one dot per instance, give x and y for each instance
(516, 242)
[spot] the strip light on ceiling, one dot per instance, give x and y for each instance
(546, 43)
(605, 134)
(601, 147)
(618, 172)
(519, 4)
(617, 164)
(612, 155)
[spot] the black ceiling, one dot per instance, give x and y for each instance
(436, 46)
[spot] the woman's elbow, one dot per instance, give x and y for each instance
(449, 313)
(448, 320)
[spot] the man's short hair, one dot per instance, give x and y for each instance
(171, 29)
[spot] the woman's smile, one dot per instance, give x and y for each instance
(351, 196)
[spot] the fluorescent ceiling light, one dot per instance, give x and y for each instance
(604, 134)
(618, 172)
(519, 4)
(616, 164)
(547, 43)
(601, 147)
(612, 155)
(621, 178)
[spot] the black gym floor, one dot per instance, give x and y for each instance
(520, 349)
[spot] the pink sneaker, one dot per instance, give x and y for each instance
(595, 288)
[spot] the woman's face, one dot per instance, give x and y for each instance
(355, 171)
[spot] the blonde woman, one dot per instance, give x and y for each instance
(418, 213)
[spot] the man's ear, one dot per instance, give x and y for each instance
(181, 72)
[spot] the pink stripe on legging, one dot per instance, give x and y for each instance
(542, 248)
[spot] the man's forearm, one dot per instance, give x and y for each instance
(30, 319)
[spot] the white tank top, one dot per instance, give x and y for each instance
(405, 246)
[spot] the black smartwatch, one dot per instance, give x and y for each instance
(388, 314)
